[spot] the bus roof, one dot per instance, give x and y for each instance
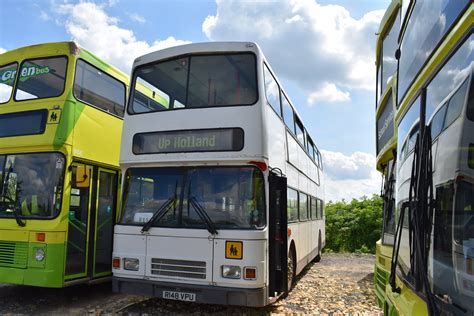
(44, 49)
(59, 48)
(209, 47)
(197, 48)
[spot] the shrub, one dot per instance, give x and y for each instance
(354, 226)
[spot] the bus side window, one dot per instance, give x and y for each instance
(96, 87)
(456, 104)
(288, 114)
(299, 129)
(272, 91)
(292, 205)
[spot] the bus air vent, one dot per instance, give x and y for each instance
(178, 268)
(13, 254)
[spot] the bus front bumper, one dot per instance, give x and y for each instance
(207, 294)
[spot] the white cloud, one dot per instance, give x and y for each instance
(90, 25)
(137, 18)
(320, 47)
(44, 16)
(2, 50)
(111, 3)
(328, 93)
(348, 177)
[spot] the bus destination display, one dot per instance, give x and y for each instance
(225, 139)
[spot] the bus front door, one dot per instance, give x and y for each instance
(91, 218)
(277, 241)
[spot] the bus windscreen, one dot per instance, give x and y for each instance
(31, 185)
(232, 197)
(7, 79)
(195, 82)
(41, 78)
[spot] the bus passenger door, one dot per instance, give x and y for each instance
(91, 217)
(277, 239)
(78, 218)
(104, 221)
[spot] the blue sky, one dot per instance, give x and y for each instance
(321, 50)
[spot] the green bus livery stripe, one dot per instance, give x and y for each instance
(69, 117)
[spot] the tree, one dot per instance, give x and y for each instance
(354, 226)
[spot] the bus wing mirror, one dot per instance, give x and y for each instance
(83, 175)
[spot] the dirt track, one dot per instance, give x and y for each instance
(340, 283)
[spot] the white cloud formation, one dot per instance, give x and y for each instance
(90, 25)
(320, 47)
(2, 50)
(137, 18)
(44, 16)
(348, 177)
(329, 93)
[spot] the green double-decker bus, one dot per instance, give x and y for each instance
(431, 267)
(61, 112)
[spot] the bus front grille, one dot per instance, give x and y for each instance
(381, 279)
(178, 268)
(13, 254)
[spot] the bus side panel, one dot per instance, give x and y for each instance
(405, 303)
(97, 136)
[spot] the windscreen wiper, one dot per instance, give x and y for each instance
(203, 215)
(159, 214)
(18, 219)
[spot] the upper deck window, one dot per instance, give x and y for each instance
(7, 79)
(311, 148)
(457, 68)
(272, 91)
(288, 114)
(96, 87)
(389, 46)
(41, 78)
(196, 82)
(427, 25)
(299, 131)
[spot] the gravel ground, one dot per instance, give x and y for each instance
(339, 284)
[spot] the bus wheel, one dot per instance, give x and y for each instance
(291, 270)
(318, 257)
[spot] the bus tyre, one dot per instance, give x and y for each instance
(291, 270)
(318, 257)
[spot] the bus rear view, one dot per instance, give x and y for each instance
(198, 185)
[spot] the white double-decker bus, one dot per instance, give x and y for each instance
(222, 185)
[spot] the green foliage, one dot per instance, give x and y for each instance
(354, 226)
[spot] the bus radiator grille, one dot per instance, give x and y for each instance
(382, 279)
(13, 254)
(178, 268)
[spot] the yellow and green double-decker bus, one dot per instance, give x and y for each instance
(386, 141)
(61, 112)
(432, 264)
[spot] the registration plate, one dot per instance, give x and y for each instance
(179, 296)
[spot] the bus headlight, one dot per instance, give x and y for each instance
(231, 272)
(131, 264)
(39, 254)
